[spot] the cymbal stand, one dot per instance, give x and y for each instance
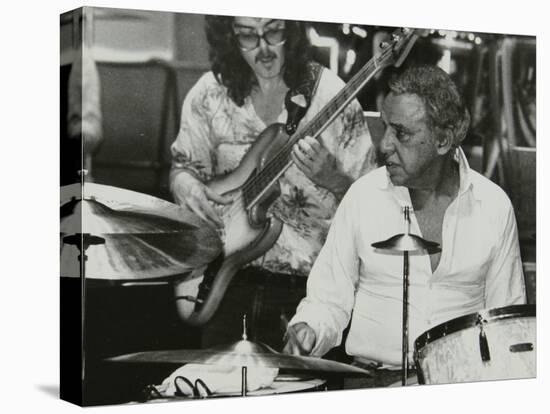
(82, 241)
(244, 369)
(406, 243)
(405, 337)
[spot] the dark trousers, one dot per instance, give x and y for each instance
(265, 298)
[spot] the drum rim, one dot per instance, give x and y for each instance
(315, 384)
(466, 321)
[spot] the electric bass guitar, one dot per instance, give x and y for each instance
(248, 231)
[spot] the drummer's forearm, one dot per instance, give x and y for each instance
(328, 332)
(326, 339)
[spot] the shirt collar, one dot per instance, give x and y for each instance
(465, 175)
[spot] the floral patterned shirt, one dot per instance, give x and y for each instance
(215, 134)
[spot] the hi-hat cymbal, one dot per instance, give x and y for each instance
(129, 242)
(243, 353)
(407, 243)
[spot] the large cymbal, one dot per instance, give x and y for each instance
(407, 243)
(243, 353)
(150, 239)
(89, 216)
(121, 199)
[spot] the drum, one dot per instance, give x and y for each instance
(487, 345)
(284, 386)
(281, 385)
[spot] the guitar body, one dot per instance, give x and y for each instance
(247, 234)
(242, 228)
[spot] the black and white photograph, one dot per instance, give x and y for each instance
(258, 206)
(284, 209)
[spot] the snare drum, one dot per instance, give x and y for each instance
(490, 344)
(281, 385)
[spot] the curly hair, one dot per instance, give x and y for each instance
(232, 71)
(444, 105)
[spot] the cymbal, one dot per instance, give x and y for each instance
(407, 243)
(89, 216)
(130, 242)
(243, 353)
(121, 199)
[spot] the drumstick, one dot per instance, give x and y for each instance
(292, 334)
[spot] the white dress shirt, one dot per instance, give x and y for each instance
(480, 267)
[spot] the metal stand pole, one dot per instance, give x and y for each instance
(82, 259)
(405, 339)
(405, 345)
(243, 385)
(243, 370)
(82, 241)
(406, 243)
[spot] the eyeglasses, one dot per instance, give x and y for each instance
(251, 40)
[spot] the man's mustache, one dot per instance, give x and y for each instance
(261, 56)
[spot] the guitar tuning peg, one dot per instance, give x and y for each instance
(395, 37)
(405, 30)
(384, 45)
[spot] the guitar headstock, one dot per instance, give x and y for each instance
(396, 49)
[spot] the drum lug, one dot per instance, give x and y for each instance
(483, 343)
(523, 347)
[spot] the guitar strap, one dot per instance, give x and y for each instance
(298, 99)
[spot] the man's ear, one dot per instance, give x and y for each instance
(445, 141)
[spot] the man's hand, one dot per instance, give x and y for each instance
(320, 166)
(299, 339)
(190, 192)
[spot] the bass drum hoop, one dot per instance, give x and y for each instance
(467, 321)
(486, 316)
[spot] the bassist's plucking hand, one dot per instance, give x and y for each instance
(320, 166)
(189, 191)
